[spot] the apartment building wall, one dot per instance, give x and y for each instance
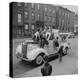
(49, 16)
(65, 19)
(26, 15)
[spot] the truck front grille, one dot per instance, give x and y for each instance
(24, 51)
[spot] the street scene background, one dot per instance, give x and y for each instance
(26, 19)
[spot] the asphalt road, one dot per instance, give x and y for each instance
(69, 65)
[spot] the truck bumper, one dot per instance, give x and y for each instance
(22, 58)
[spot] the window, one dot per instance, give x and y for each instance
(49, 18)
(50, 10)
(38, 16)
(53, 20)
(63, 13)
(26, 26)
(33, 15)
(38, 6)
(53, 11)
(26, 14)
(32, 5)
(19, 18)
(68, 15)
(25, 4)
(32, 26)
(45, 9)
(18, 4)
(45, 18)
(62, 22)
(59, 22)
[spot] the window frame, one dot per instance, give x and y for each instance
(46, 17)
(19, 17)
(38, 16)
(32, 5)
(33, 16)
(19, 4)
(26, 16)
(34, 27)
(53, 19)
(38, 6)
(49, 18)
(27, 26)
(26, 4)
(46, 9)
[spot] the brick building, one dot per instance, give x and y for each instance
(65, 19)
(24, 18)
(76, 24)
(49, 16)
(27, 17)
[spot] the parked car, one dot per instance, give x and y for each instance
(30, 51)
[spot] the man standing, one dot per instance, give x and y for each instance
(47, 68)
(56, 43)
(36, 36)
(60, 53)
(43, 40)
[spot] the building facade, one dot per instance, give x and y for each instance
(49, 16)
(25, 16)
(76, 24)
(65, 19)
(28, 17)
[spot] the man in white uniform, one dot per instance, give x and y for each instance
(48, 34)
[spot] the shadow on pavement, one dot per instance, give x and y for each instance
(22, 67)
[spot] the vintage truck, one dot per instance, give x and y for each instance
(30, 51)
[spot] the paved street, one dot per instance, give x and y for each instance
(69, 65)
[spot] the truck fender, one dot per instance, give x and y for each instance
(34, 53)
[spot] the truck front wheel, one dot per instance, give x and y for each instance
(39, 59)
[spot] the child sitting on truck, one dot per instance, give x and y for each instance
(56, 43)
